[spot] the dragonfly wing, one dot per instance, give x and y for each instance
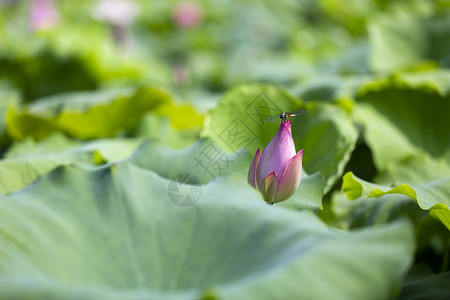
(298, 112)
(272, 119)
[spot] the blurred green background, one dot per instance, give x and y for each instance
(203, 48)
(103, 102)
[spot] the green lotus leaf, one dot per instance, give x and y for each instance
(368, 212)
(328, 136)
(433, 196)
(309, 194)
(331, 87)
(418, 168)
(422, 283)
(114, 232)
(96, 114)
(326, 132)
(53, 143)
(84, 52)
(8, 98)
(405, 121)
(338, 88)
(430, 81)
(407, 43)
(28, 160)
(237, 121)
(161, 129)
(207, 162)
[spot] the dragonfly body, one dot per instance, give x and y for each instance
(284, 116)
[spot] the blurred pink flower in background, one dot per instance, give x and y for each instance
(43, 15)
(278, 171)
(188, 14)
(116, 12)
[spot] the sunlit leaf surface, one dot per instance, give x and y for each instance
(118, 235)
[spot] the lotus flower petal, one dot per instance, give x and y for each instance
(290, 179)
(252, 171)
(269, 187)
(276, 155)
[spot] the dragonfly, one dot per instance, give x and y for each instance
(285, 115)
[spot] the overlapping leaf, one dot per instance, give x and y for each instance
(113, 233)
(421, 283)
(108, 218)
(403, 43)
(433, 196)
(97, 114)
(328, 136)
(29, 160)
(206, 161)
(8, 98)
(237, 121)
(405, 119)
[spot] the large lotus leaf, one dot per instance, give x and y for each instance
(112, 233)
(53, 143)
(86, 53)
(421, 283)
(431, 82)
(326, 132)
(330, 87)
(237, 121)
(419, 168)
(328, 136)
(308, 195)
(404, 116)
(39, 74)
(433, 196)
(110, 150)
(353, 61)
(205, 161)
(338, 88)
(160, 128)
(28, 160)
(8, 98)
(406, 43)
(388, 143)
(96, 114)
(368, 212)
(335, 88)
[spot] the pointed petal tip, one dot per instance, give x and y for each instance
(251, 177)
(287, 124)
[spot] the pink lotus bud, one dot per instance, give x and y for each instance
(277, 172)
(187, 14)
